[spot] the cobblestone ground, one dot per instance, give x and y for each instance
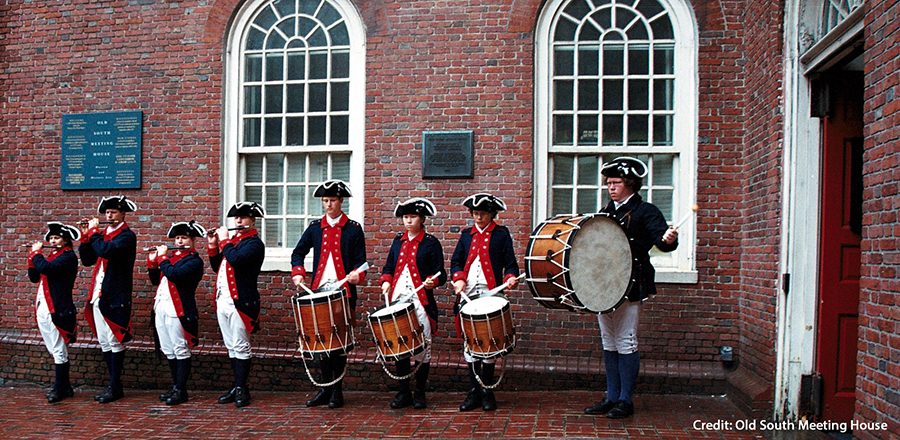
(272, 415)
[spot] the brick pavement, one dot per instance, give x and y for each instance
(274, 415)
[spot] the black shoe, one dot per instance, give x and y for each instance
(242, 397)
(402, 400)
(177, 397)
(621, 410)
(229, 396)
(337, 399)
(56, 395)
(473, 400)
(488, 401)
(419, 400)
(600, 408)
(111, 395)
(165, 396)
(321, 398)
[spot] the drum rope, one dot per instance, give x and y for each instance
(381, 361)
(322, 385)
(499, 379)
(316, 327)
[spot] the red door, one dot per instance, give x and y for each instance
(840, 243)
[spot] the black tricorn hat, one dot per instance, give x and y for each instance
(65, 231)
(484, 202)
(246, 209)
(415, 206)
(333, 188)
(191, 229)
(116, 202)
(624, 167)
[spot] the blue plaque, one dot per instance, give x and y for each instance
(448, 155)
(101, 150)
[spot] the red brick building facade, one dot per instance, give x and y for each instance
(741, 98)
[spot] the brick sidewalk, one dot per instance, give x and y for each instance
(529, 414)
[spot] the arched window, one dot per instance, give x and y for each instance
(836, 11)
(617, 78)
(295, 112)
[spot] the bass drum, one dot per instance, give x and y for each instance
(581, 263)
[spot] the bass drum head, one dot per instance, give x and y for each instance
(600, 264)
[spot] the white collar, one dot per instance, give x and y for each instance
(333, 221)
(619, 205)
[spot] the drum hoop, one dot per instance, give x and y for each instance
(399, 312)
(313, 299)
(564, 268)
(631, 277)
(489, 315)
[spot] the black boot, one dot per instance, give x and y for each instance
(473, 399)
(242, 373)
(421, 381)
(61, 387)
(115, 390)
(337, 395)
(173, 369)
(107, 359)
(230, 395)
(183, 373)
(487, 396)
(404, 397)
(324, 394)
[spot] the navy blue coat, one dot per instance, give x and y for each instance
(185, 274)
(120, 252)
(245, 256)
(644, 225)
(500, 251)
(429, 261)
(61, 273)
(353, 251)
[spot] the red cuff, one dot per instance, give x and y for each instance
(86, 237)
(31, 255)
(211, 250)
(152, 263)
(387, 278)
(459, 275)
(507, 277)
(298, 270)
(224, 243)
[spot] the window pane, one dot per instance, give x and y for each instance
(613, 60)
(587, 201)
(662, 170)
(296, 170)
(327, 14)
(638, 130)
(588, 94)
(255, 39)
(252, 132)
(663, 92)
(588, 60)
(274, 200)
(253, 194)
(296, 66)
(562, 130)
(662, 198)
(318, 38)
(562, 201)
(339, 35)
(274, 67)
(340, 64)
(340, 130)
(587, 170)
(284, 7)
(275, 168)
(563, 170)
(638, 94)
(253, 67)
(340, 96)
(273, 232)
(613, 127)
(578, 9)
(273, 131)
(638, 60)
(295, 98)
(664, 60)
(318, 65)
(565, 30)
(317, 130)
(273, 98)
(587, 130)
(318, 168)
(315, 205)
(563, 61)
(564, 95)
(662, 130)
(252, 100)
(318, 93)
(340, 167)
(662, 28)
(253, 168)
(275, 41)
(613, 94)
(295, 228)
(294, 131)
(295, 200)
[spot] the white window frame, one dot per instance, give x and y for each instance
(278, 259)
(679, 266)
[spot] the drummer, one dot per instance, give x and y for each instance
(414, 267)
(645, 227)
(339, 248)
(483, 259)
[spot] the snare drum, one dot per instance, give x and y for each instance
(323, 322)
(581, 263)
(398, 334)
(487, 327)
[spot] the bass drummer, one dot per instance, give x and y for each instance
(339, 249)
(645, 227)
(414, 267)
(483, 259)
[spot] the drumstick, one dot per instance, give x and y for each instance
(306, 288)
(503, 286)
(431, 278)
(694, 210)
(357, 270)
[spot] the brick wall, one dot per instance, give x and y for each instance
(878, 366)
(431, 66)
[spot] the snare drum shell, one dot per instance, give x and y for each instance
(398, 333)
(323, 322)
(488, 335)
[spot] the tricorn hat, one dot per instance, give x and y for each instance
(333, 188)
(191, 229)
(415, 206)
(65, 231)
(484, 202)
(246, 209)
(116, 202)
(624, 167)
